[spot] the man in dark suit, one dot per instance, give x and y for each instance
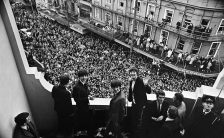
(155, 114)
(63, 106)
(202, 120)
(117, 110)
(81, 96)
(137, 95)
(24, 127)
(171, 127)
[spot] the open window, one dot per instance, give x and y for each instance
(148, 29)
(150, 12)
(121, 3)
(205, 23)
(196, 48)
(187, 22)
(137, 6)
(120, 21)
(213, 49)
(97, 13)
(221, 27)
(180, 45)
(107, 16)
(168, 15)
(164, 37)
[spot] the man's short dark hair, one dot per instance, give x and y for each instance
(179, 96)
(20, 119)
(64, 79)
(115, 83)
(133, 69)
(82, 73)
(173, 112)
(162, 93)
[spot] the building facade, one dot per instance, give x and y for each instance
(196, 27)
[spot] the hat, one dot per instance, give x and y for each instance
(133, 69)
(82, 73)
(115, 83)
(20, 119)
(208, 98)
(64, 79)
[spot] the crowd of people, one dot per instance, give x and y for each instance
(61, 50)
(101, 68)
(183, 59)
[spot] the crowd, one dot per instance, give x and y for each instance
(61, 50)
(184, 59)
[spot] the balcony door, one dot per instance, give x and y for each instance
(213, 49)
(164, 37)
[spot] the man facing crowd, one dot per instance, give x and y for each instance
(117, 110)
(81, 97)
(137, 95)
(63, 106)
(202, 120)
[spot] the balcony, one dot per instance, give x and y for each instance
(98, 29)
(86, 2)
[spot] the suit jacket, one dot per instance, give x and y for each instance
(151, 110)
(22, 133)
(62, 101)
(201, 126)
(139, 92)
(170, 129)
(80, 94)
(117, 108)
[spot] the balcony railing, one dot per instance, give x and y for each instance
(98, 30)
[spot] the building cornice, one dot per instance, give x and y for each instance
(196, 7)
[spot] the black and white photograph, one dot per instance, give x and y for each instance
(112, 68)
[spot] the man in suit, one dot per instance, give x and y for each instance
(117, 110)
(81, 96)
(63, 106)
(24, 127)
(202, 120)
(155, 114)
(171, 127)
(137, 95)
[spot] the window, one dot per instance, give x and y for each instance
(97, 13)
(150, 11)
(205, 23)
(147, 29)
(168, 15)
(65, 5)
(108, 1)
(121, 3)
(107, 17)
(187, 22)
(213, 49)
(120, 21)
(73, 6)
(196, 47)
(164, 37)
(137, 6)
(135, 27)
(181, 43)
(221, 27)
